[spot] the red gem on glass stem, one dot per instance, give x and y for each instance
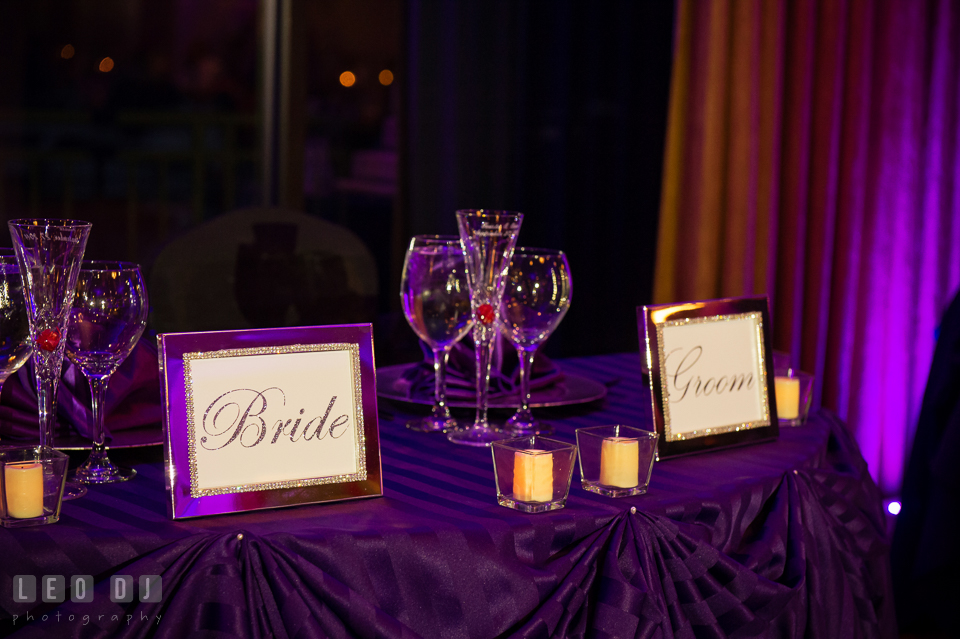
(48, 340)
(485, 314)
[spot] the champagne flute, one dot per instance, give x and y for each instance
(436, 302)
(109, 315)
(535, 299)
(49, 253)
(488, 239)
(15, 344)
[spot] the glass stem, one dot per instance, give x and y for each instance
(483, 338)
(98, 394)
(47, 402)
(440, 408)
(526, 370)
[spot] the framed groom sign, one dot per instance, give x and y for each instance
(711, 373)
(265, 418)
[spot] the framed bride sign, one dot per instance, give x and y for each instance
(711, 373)
(265, 418)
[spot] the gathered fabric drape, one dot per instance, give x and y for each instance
(812, 155)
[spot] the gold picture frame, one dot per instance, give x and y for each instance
(312, 455)
(711, 369)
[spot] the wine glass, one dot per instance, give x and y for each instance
(109, 315)
(488, 238)
(436, 301)
(535, 299)
(15, 344)
(49, 253)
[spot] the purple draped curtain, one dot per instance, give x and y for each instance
(813, 156)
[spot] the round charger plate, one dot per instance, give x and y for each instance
(573, 389)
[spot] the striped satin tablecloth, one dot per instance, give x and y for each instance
(776, 539)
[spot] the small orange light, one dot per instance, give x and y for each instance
(67, 52)
(106, 65)
(386, 77)
(347, 79)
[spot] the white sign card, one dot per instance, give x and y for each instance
(709, 376)
(712, 374)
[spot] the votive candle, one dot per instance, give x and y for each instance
(533, 475)
(788, 396)
(24, 489)
(619, 462)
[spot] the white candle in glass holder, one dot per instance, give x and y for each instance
(533, 475)
(619, 462)
(24, 489)
(788, 396)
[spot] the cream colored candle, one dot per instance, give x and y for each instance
(788, 397)
(533, 475)
(619, 462)
(24, 488)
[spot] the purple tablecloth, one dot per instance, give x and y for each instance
(776, 539)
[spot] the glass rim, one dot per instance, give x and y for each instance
(489, 212)
(50, 222)
(44, 453)
(514, 444)
(435, 239)
(791, 373)
(641, 432)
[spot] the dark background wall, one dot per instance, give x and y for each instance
(555, 109)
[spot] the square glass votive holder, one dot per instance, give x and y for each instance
(794, 390)
(31, 485)
(616, 461)
(533, 473)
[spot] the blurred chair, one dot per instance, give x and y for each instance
(925, 556)
(260, 268)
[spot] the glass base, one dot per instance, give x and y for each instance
(98, 469)
(46, 518)
(73, 490)
(612, 491)
(102, 475)
(431, 424)
(476, 436)
(531, 506)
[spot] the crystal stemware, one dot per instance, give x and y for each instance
(15, 344)
(436, 302)
(49, 253)
(535, 299)
(109, 315)
(488, 238)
